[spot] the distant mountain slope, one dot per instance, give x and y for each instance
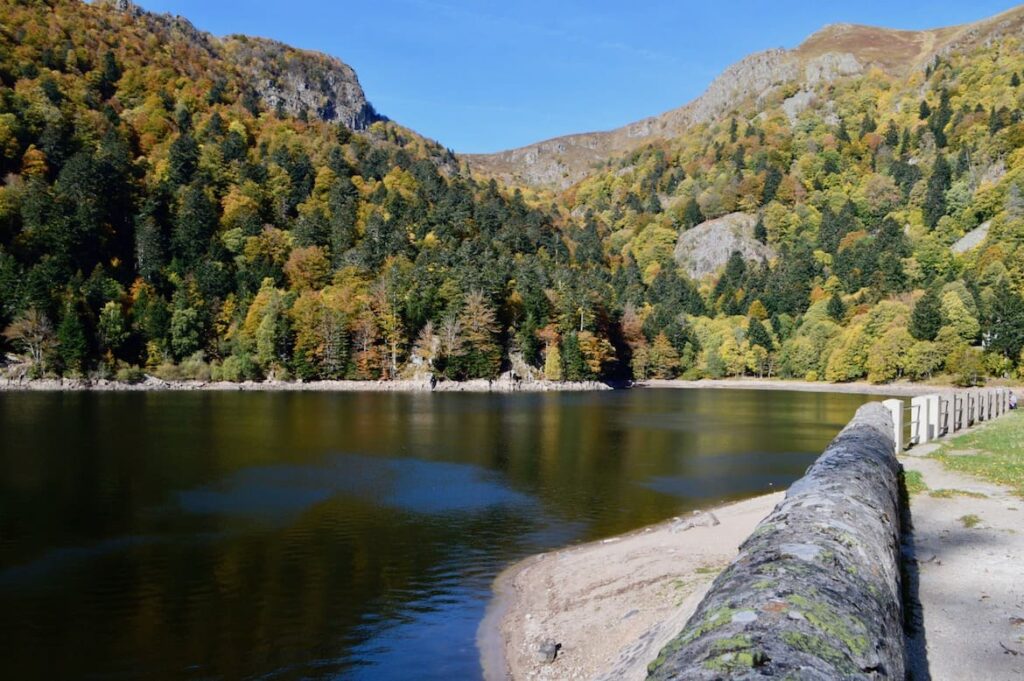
(836, 51)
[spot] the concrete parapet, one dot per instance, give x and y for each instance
(815, 591)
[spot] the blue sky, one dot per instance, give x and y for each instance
(487, 75)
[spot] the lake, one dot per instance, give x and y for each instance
(287, 535)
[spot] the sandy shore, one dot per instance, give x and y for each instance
(613, 604)
(859, 388)
(151, 384)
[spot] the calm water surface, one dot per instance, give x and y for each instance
(286, 536)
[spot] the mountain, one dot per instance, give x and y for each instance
(759, 80)
(186, 206)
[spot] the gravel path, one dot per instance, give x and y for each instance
(969, 580)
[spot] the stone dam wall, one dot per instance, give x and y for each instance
(815, 592)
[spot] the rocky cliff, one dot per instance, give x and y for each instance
(299, 82)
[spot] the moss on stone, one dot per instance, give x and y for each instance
(713, 620)
(819, 646)
(825, 619)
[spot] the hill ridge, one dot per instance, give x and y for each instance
(836, 50)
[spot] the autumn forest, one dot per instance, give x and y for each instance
(158, 215)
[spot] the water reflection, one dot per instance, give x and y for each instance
(279, 493)
(322, 536)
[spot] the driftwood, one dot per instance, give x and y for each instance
(815, 591)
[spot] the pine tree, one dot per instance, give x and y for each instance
(924, 111)
(772, 180)
(1006, 324)
(940, 118)
(935, 198)
(760, 231)
(836, 308)
(926, 319)
(963, 161)
(691, 214)
(996, 120)
(892, 135)
(758, 335)
(654, 203)
(572, 359)
(842, 134)
(110, 73)
(183, 159)
(1014, 80)
(834, 227)
(739, 158)
(526, 340)
(196, 222)
(906, 143)
(72, 344)
(868, 124)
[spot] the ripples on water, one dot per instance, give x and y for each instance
(280, 536)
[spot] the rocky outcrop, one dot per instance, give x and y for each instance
(300, 82)
(706, 248)
(815, 592)
(971, 240)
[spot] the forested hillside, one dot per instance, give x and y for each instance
(157, 213)
(194, 207)
(863, 187)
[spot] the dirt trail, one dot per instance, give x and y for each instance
(970, 578)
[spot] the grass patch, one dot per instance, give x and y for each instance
(970, 521)
(950, 493)
(914, 482)
(1000, 453)
(708, 570)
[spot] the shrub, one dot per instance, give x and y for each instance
(238, 368)
(195, 368)
(129, 374)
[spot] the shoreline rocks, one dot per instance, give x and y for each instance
(153, 384)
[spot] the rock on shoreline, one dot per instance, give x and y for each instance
(153, 384)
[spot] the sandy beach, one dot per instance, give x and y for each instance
(856, 388)
(613, 604)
